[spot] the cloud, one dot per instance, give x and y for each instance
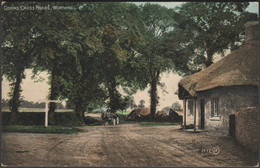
(169, 4)
(165, 4)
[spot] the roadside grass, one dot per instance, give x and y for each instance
(41, 129)
(156, 123)
(124, 113)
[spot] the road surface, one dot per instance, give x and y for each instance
(124, 145)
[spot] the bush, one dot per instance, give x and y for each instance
(91, 121)
(25, 118)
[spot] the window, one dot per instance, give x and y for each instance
(215, 107)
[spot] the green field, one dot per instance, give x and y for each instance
(125, 113)
(39, 110)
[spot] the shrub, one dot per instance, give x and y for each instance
(91, 121)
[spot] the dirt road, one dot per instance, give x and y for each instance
(123, 145)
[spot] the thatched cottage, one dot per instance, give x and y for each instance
(211, 95)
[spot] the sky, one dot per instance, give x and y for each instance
(38, 91)
(253, 7)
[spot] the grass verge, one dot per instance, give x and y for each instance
(123, 113)
(41, 129)
(152, 123)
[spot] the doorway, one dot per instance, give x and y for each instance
(202, 112)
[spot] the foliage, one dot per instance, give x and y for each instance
(4, 103)
(166, 109)
(131, 103)
(120, 38)
(210, 28)
(158, 23)
(53, 32)
(67, 46)
(99, 49)
(18, 50)
(176, 105)
(141, 104)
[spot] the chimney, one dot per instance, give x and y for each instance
(251, 29)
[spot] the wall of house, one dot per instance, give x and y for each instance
(230, 100)
(189, 112)
(247, 125)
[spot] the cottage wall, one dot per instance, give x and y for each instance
(189, 112)
(230, 100)
(247, 125)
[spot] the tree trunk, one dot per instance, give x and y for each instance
(153, 92)
(79, 110)
(209, 59)
(14, 102)
(53, 96)
(112, 95)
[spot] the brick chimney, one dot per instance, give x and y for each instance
(251, 29)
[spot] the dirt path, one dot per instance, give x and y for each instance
(123, 145)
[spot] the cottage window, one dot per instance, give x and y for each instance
(215, 107)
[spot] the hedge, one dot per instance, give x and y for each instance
(38, 118)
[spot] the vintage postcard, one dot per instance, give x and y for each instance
(129, 84)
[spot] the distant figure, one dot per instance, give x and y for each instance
(108, 117)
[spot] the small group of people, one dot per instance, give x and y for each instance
(109, 117)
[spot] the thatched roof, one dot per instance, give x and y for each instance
(139, 112)
(238, 68)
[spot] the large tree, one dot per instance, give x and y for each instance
(121, 26)
(81, 82)
(51, 28)
(212, 27)
(158, 23)
(18, 51)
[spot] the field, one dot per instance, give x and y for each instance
(37, 110)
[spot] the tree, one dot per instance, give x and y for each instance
(67, 42)
(81, 82)
(166, 109)
(86, 52)
(141, 104)
(51, 30)
(131, 102)
(211, 28)
(70, 45)
(18, 51)
(176, 105)
(120, 38)
(158, 23)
